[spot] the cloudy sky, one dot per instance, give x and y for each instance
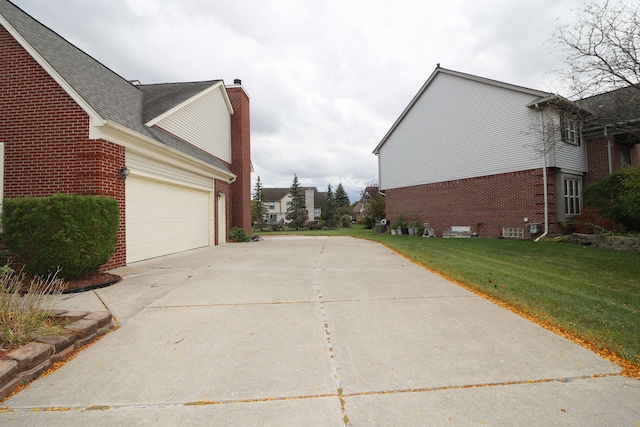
(328, 78)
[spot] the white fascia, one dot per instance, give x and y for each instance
(136, 142)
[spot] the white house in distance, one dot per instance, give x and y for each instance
(470, 151)
(278, 200)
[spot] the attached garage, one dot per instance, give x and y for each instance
(169, 208)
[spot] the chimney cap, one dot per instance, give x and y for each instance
(237, 81)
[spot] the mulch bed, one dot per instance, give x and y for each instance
(94, 280)
(88, 282)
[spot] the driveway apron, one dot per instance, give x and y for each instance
(316, 331)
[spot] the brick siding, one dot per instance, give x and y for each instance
(496, 201)
(46, 137)
(240, 159)
(598, 158)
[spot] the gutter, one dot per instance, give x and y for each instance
(129, 132)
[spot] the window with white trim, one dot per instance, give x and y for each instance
(572, 190)
(571, 131)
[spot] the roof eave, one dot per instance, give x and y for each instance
(226, 174)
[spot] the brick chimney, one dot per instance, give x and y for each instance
(240, 157)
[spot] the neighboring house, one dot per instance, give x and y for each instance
(175, 156)
(468, 151)
(361, 207)
(612, 135)
(278, 200)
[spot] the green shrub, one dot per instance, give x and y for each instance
(618, 197)
(73, 233)
(238, 234)
(345, 220)
(367, 222)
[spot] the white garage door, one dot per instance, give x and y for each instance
(162, 218)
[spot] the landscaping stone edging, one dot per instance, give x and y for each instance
(25, 364)
(612, 242)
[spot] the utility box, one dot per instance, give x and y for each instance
(379, 229)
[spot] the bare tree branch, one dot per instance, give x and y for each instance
(601, 48)
(601, 53)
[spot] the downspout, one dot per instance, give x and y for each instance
(608, 150)
(544, 180)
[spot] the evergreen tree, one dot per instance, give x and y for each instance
(297, 211)
(330, 209)
(258, 208)
(342, 198)
(343, 204)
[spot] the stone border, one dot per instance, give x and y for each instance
(23, 365)
(612, 242)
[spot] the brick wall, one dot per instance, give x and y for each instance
(45, 133)
(496, 201)
(241, 159)
(598, 158)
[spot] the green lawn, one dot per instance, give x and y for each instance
(592, 293)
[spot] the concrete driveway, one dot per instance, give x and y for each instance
(316, 331)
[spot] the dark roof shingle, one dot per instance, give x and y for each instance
(112, 97)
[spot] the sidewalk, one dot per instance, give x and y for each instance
(316, 331)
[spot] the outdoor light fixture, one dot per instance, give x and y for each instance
(219, 194)
(124, 173)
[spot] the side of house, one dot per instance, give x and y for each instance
(471, 151)
(176, 157)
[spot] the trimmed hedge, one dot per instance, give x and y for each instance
(73, 232)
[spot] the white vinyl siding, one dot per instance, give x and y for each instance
(569, 155)
(205, 122)
(460, 128)
(142, 165)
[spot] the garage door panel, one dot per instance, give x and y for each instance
(164, 218)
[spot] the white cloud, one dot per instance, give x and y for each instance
(326, 79)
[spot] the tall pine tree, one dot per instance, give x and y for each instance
(330, 210)
(343, 205)
(297, 211)
(342, 198)
(258, 207)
